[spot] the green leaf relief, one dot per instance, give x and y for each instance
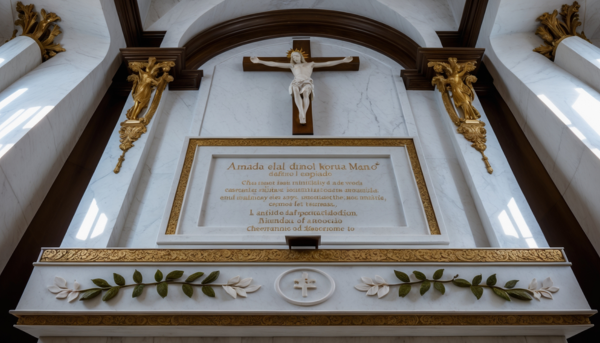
(176, 274)
(438, 274)
(208, 291)
(491, 281)
(477, 280)
(210, 278)
(162, 289)
(194, 276)
(158, 276)
(502, 294)
(111, 293)
(137, 291)
(101, 283)
(137, 277)
(92, 293)
(420, 275)
(518, 294)
(119, 280)
(402, 276)
(461, 283)
(440, 287)
(511, 284)
(404, 290)
(425, 287)
(477, 291)
(187, 290)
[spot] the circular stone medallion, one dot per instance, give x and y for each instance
(325, 286)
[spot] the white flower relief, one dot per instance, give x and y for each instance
(546, 290)
(60, 289)
(238, 286)
(378, 286)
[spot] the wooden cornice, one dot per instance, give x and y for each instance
(470, 25)
(301, 22)
(420, 78)
(133, 30)
(184, 79)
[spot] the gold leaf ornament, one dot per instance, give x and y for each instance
(43, 31)
(553, 31)
(456, 85)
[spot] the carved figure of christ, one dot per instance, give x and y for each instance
(301, 88)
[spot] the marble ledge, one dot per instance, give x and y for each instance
(18, 57)
(309, 339)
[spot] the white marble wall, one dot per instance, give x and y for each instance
(555, 109)
(48, 108)
(457, 7)
(157, 9)
(17, 58)
(481, 339)
(418, 19)
(232, 103)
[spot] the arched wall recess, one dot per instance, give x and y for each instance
(301, 22)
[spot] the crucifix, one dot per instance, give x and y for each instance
(305, 284)
(301, 64)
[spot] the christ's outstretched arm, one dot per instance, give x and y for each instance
(333, 63)
(269, 63)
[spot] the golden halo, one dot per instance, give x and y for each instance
(301, 51)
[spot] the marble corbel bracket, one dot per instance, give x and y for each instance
(185, 79)
(420, 78)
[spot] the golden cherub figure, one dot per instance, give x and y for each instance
(454, 82)
(144, 82)
(145, 79)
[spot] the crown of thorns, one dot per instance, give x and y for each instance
(300, 51)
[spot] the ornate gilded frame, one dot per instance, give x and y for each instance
(407, 143)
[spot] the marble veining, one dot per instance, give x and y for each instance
(157, 9)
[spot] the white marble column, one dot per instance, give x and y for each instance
(17, 58)
(581, 59)
(103, 209)
(503, 209)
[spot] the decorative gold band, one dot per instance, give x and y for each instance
(303, 320)
(281, 255)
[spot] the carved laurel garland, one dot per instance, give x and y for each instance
(378, 286)
(234, 286)
(302, 320)
(281, 255)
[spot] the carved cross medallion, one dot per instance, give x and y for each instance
(299, 128)
(305, 284)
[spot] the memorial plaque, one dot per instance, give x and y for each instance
(257, 191)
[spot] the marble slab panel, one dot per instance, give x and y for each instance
(392, 212)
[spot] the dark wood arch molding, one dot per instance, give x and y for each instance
(301, 22)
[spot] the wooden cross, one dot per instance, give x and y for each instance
(305, 284)
(298, 128)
